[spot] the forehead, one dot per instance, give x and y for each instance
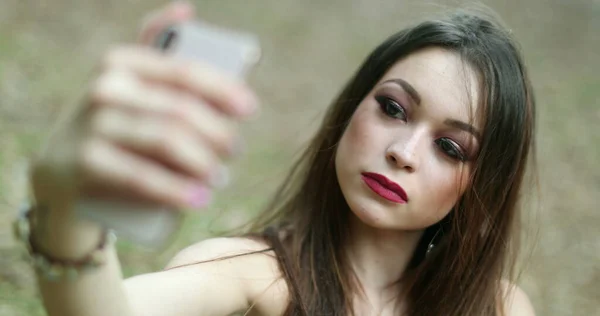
(446, 83)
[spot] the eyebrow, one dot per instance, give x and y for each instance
(406, 87)
(417, 98)
(463, 126)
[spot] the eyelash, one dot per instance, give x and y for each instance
(454, 152)
(392, 109)
(386, 104)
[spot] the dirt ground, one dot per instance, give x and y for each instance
(48, 50)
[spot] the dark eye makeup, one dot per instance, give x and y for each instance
(451, 148)
(395, 110)
(391, 108)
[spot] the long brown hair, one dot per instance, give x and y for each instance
(307, 220)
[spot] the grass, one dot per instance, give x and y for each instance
(48, 53)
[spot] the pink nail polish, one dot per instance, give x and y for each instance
(200, 196)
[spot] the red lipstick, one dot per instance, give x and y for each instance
(385, 187)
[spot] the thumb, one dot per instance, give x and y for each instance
(158, 20)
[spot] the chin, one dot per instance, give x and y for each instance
(375, 216)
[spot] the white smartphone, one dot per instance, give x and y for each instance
(235, 53)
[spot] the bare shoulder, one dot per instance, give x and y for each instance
(220, 276)
(251, 261)
(218, 249)
(516, 301)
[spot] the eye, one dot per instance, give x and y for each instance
(450, 148)
(391, 108)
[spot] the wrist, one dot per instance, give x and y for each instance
(52, 266)
(57, 231)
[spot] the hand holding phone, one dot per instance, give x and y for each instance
(233, 53)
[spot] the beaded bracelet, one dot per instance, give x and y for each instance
(50, 267)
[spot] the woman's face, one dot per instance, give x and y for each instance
(405, 158)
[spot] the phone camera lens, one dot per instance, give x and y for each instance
(167, 39)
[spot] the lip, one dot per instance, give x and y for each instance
(385, 187)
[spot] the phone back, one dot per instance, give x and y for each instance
(231, 52)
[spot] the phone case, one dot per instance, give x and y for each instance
(232, 52)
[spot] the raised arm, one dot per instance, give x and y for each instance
(152, 129)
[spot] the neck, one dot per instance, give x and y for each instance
(379, 257)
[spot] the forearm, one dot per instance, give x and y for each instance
(98, 292)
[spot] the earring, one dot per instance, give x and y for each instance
(431, 245)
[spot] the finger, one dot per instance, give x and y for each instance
(163, 141)
(104, 164)
(225, 93)
(158, 20)
(124, 91)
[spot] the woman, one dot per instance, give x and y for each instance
(403, 204)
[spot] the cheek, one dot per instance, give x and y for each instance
(446, 187)
(356, 147)
(356, 133)
(361, 134)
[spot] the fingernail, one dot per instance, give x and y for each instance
(200, 196)
(247, 103)
(182, 8)
(219, 178)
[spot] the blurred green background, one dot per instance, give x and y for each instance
(48, 51)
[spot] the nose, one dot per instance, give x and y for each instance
(404, 152)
